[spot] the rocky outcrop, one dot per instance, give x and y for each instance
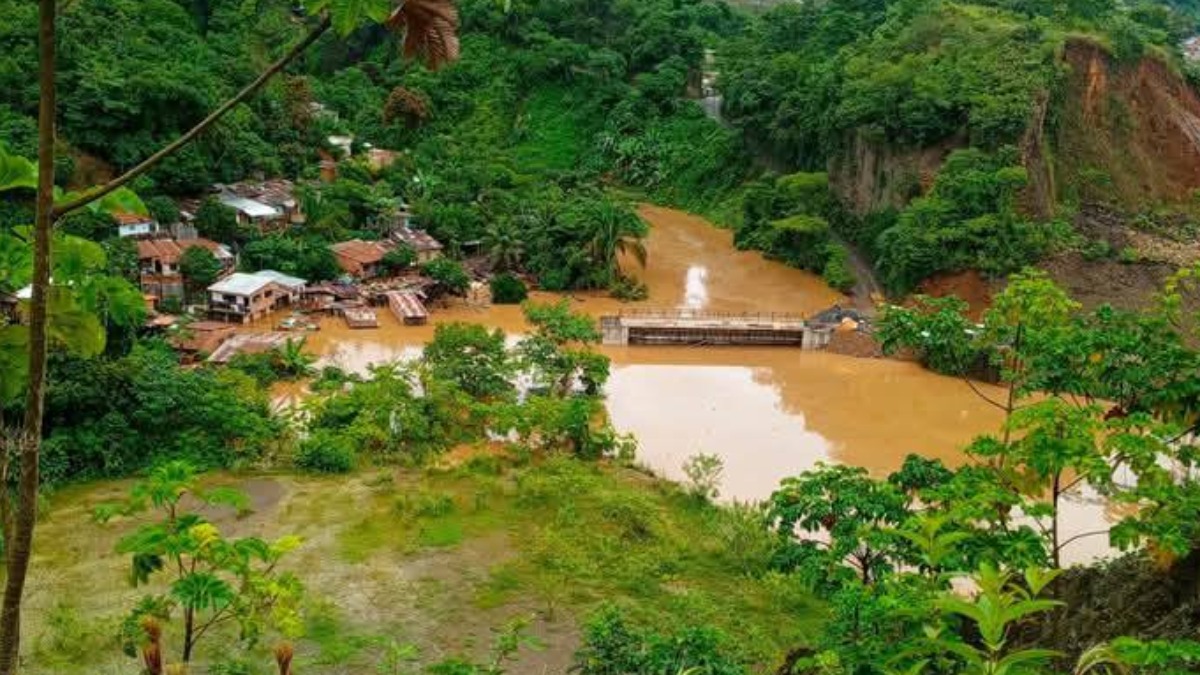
(871, 175)
(1127, 134)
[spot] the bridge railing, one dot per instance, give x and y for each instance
(671, 313)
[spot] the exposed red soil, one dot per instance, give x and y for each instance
(969, 286)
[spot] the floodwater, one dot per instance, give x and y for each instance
(768, 413)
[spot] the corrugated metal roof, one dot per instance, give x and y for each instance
(240, 283)
(250, 207)
(281, 278)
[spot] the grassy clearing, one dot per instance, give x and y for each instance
(425, 564)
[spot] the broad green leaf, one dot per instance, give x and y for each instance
(14, 363)
(202, 591)
(121, 200)
(16, 262)
(347, 15)
(16, 172)
(1020, 661)
(71, 326)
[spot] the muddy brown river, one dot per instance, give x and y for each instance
(767, 412)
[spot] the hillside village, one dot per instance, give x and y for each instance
(375, 273)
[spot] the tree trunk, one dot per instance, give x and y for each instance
(189, 628)
(19, 544)
(1055, 549)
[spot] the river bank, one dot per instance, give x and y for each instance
(767, 412)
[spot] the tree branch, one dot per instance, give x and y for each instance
(250, 90)
(982, 395)
(1081, 535)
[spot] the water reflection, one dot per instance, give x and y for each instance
(767, 412)
(680, 411)
(696, 288)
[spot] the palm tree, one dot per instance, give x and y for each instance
(504, 245)
(616, 231)
(323, 215)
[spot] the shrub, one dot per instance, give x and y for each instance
(936, 329)
(325, 452)
(507, 289)
(837, 271)
(1097, 249)
(399, 259)
(448, 274)
(628, 289)
(611, 646)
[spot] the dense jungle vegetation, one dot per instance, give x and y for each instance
(492, 460)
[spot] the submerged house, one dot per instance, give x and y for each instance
(362, 259)
(158, 264)
(426, 246)
(242, 297)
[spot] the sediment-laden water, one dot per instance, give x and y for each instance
(767, 412)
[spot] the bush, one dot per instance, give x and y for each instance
(507, 289)
(628, 289)
(325, 452)
(1097, 249)
(837, 271)
(399, 259)
(448, 274)
(611, 646)
(936, 329)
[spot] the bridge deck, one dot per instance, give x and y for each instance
(656, 326)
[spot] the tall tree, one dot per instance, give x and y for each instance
(430, 31)
(18, 529)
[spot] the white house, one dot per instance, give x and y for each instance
(134, 225)
(344, 144)
(243, 297)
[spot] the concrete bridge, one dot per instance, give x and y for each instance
(691, 327)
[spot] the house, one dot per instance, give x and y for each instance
(134, 225)
(427, 247)
(362, 259)
(1191, 48)
(249, 343)
(267, 206)
(158, 263)
(343, 145)
(379, 159)
(242, 297)
(201, 337)
(330, 296)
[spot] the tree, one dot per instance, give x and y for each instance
(217, 221)
(399, 259)
(291, 361)
(213, 580)
(504, 246)
(163, 209)
(855, 512)
(615, 231)
(558, 354)
(449, 274)
(200, 268)
(430, 31)
(473, 358)
(507, 289)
